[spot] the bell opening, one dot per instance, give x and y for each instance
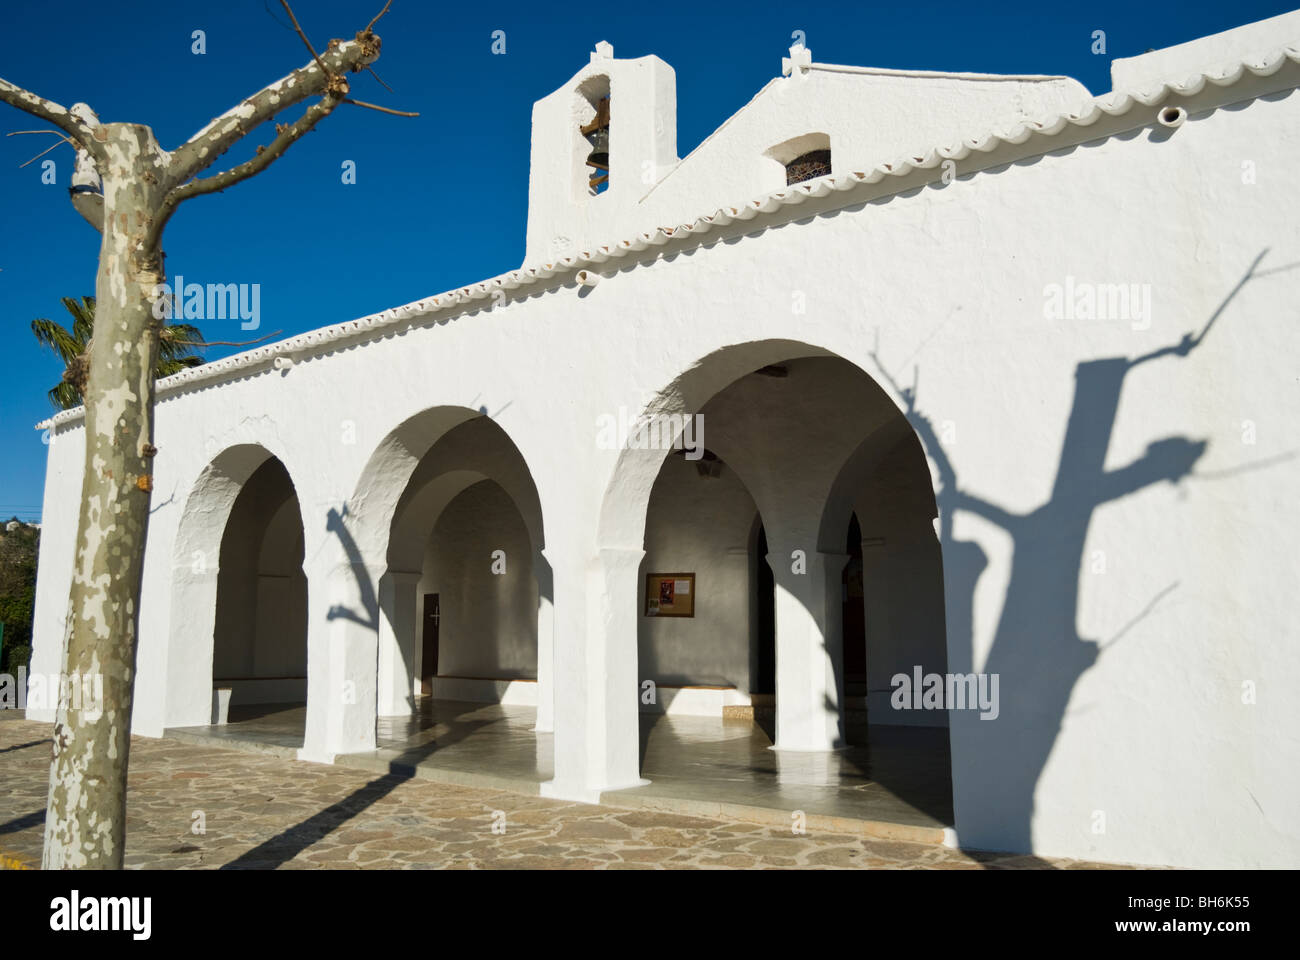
(596, 132)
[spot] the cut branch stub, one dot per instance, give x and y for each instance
(67, 120)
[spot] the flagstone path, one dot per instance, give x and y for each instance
(193, 807)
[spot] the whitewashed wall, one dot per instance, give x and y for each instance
(1178, 728)
(488, 619)
(699, 525)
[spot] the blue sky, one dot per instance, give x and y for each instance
(439, 201)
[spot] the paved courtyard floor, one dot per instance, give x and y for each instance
(263, 811)
(894, 776)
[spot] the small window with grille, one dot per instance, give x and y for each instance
(797, 159)
(814, 163)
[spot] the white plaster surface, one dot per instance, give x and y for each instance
(1143, 628)
(699, 525)
(488, 619)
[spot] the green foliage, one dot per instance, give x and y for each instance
(18, 555)
(176, 348)
(15, 657)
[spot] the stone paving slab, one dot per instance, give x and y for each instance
(258, 811)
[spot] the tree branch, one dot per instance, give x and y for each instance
(51, 112)
(310, 49)
(371, 25)
(369, 106)
(225, 343)
(62, 141)
(321, 75)
(371, 71)
(264, 158)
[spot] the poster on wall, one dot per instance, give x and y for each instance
(670, 595)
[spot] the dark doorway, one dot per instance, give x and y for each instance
(259, 632)
(429, 656)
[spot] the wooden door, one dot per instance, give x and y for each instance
(429, 657)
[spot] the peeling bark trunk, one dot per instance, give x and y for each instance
(85, 821)
(85, 824)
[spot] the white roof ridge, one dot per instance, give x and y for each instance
(934, 74)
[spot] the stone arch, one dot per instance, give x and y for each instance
(386, 478)
(196, 555)
(368, 514)
(627, 494)
(887, 484)
(427, 463)
(795, 521)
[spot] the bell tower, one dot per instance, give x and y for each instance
(600, 144)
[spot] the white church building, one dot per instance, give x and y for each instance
(953, 403)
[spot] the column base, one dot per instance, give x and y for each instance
(314, 755)
(833, 748)
(581, 793)
(568, 791)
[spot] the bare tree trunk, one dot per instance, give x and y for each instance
(85, 821)
(83, 825)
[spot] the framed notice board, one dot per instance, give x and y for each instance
(670, 595)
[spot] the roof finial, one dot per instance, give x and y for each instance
(800, 57)
(603, 51)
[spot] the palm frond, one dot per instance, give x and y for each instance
(58, 338)
(65, 396)
(180, 342)
(71, 344)
(166, 367)
(83, 316)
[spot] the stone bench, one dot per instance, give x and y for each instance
(220, 706)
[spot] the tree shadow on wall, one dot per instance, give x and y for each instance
(368, 616)
(1037, 651)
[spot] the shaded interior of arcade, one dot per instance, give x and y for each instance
(801, 506)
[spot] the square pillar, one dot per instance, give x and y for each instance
(397, 643)
(190, 645)
(597, 722)
(809, 655)
(342, 662)
(545, 643)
